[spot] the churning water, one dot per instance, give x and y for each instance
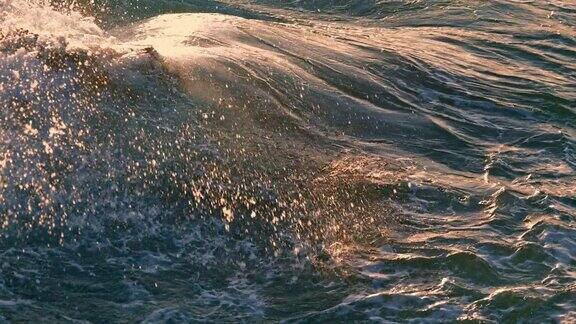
(266, 160)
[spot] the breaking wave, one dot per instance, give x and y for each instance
(303, 160)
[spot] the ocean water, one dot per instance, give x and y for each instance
(303, 161)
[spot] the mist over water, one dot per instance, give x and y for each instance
(300, 161)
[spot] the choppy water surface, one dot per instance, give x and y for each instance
(330, 160)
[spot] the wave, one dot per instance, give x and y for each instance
(361, 160)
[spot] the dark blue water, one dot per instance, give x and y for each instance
(300, 161)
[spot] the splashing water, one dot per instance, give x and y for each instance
(303, 161)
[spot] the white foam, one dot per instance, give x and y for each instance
(38, 17)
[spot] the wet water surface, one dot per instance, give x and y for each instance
(299, 161)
